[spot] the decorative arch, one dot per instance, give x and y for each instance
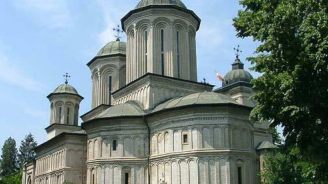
(126, 175)
(143, 24)
(158, 22)
(59, 112)
(29, 180)
(180, 24)
(93, 176)
(241, 176)
(130, 31)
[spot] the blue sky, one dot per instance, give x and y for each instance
(40, 40)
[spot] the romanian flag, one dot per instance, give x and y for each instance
(219, 77)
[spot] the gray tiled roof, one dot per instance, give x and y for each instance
(130, 108)
(204, 98)
(65, 88)
(115, 47)
(266, 145)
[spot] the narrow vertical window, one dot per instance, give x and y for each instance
(110, 89)
(59, 114)
(162, 52)
(93, 179)
(67, 117)
(127, 178)
(240, 178)
(114, 145)
(178, 53)
(185, 139)
(146, 51)
(76, 115)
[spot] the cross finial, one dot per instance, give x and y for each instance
(118, 31)
(66, 77)
(204, 80)
(238, 51)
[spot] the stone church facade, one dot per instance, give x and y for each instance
(151, 122)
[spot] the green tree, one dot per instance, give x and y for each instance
(277, 140)
(9, 157)
(15, 178)
(26, 152)
(293, 58)
(279, 169)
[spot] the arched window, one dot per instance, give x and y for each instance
(52, 113)
(76, 115)
(67, 115)
(178, 53)
(126, 175)
(59, 114)
(162, 52)
(146, 50)
(240, 170)
(93, 176)
(110, 88)
(29, 180)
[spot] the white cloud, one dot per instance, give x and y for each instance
(12, 75)
(51, 13)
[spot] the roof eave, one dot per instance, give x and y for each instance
(105, 56)
(160, 7)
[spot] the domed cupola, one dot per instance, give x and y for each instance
(65, 89)
(113, 48)
(65, 103)
(237, 74)
(145, 3)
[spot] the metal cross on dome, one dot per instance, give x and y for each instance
(67, 77)
(238, 51)
(118, 31)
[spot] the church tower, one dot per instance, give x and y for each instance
(237, 83)
(65, 104)
(161, 40)
(108, 72)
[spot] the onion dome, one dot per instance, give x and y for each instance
(144, 3)
(112, 48)
(237, 74)
(204, 98)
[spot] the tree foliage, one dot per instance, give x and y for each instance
(9, 157)
(26, 152)
(282, 167)
(15, 178)
(293, 58)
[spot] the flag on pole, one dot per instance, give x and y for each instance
(219, 77)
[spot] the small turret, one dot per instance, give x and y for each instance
(65, 104)
(237, 82)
